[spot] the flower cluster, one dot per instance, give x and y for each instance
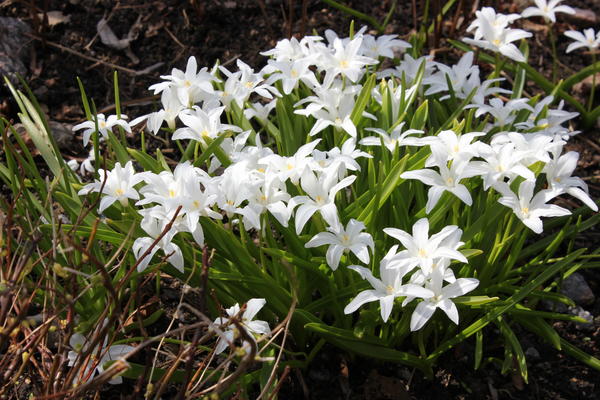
(516, 148)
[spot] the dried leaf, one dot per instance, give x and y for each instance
(55, 17)
(108, 37)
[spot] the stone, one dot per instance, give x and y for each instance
(581, 313)
(532, 353)
(14, 48)
(576, 288)
(63, 134)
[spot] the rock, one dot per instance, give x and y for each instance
(14, 47)
(532, 353)
(580, 312)
(63, 134)
(553, 306)
(576, 288)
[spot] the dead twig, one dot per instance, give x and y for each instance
(130, 71)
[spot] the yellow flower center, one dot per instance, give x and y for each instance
(345, 239)
(344, 64)
(119, 192)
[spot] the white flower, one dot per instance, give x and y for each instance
(116, 185)
(260, 111)
(587, 39)
(463, 78)
(254, 327)
(529, 208)
(270, 196)
(342, 240)
(202, 125)
(500, 162)
(79, 343)
(409, 67)
(332, 106)
(448, 179)
(172, 107)
(291, 167)
(422, 250)
(291, 72)
(503, 113)
(546, 9)
(386, 289)
(154, 227)
(104, 125)
(321, 196)
(454, 146)
(241, 84)
(189, 86)
(345, 60)
(382, 46)
(492, 33)
(559, 171)
(345, 158)
(395, 139)
(441, 298)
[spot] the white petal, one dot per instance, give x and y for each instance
(334, 253)
(460, 287)
(303, 214)
(450, 309)
(386, 303)
(321, 239)
(253, 306)
(421, 315)
(363, 297)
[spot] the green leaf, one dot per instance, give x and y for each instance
(390, 183)
(511, 338)
(540, 327)
(214, 148)
(372, 347)
(147, 162)
(363, 99)
(420, 116)
(474, 300)
(579, 354)
(509, 304)
(478, 349)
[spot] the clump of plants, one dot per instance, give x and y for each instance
(393, 212)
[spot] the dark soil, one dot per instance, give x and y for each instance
(170, 31)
